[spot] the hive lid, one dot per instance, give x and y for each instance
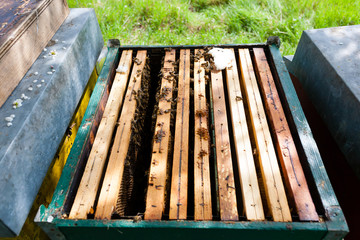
(39, 122)
(26, 27)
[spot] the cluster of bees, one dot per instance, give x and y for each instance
(137, 124)
(162, 94)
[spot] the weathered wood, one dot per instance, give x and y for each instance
(286, 149)
(202, 182)
(113, 176)
(26, 27)
(85, 197)
(248, 178)
(275, 192)
(336, 224)
(159, 158)
(179, 182)
(227, 192)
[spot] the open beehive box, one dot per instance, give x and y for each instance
(172, 147)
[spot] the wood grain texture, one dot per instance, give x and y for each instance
(85, 197)
(274, 188)
(226, 183)
(286, 149)
(179, 182)
(26, 28)
(248, 178)
(159, 158)
(337, 226)
(202, 182)
(114, 172)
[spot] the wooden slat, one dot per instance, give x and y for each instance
(227, 195)
(336, 221)
(286, 149)
(85, 197)
(157, 177)
(202, 183)
(248, 178)
(113, 176)
(179, 182)
(274, 187)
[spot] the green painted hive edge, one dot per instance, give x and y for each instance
(129, 229)
(59, 197)
(336, 223)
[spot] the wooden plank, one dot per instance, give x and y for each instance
(227, 194)
(179, 182)
(26, 27)
(84, 137)
(113, 176)
(159, 158)
(286, 149)
(85, 197)
(248, 178)
(336, 223)
(274, 187)
(202, 182)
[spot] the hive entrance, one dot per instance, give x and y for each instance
(180, 140)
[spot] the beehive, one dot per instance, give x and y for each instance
(184, 149)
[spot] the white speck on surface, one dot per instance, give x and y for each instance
(122, 69)
(49, 73)
(50, 219)
(30, 88)
(14, 107)
(36, 73)
(17, 103)
(63, 41)
(52, 53)
(45, 49)
(53, 70)
(35, 81)
(23, 96)
(64, 48)
(222, 58)
(39, 85)
(12, 115)
(340, 43)
(9, 124)
(42, 80)
(56, 40)
(44, 56)
(9, 119)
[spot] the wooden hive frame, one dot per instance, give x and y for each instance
(333, 225)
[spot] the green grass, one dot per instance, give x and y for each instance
(173, 22)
